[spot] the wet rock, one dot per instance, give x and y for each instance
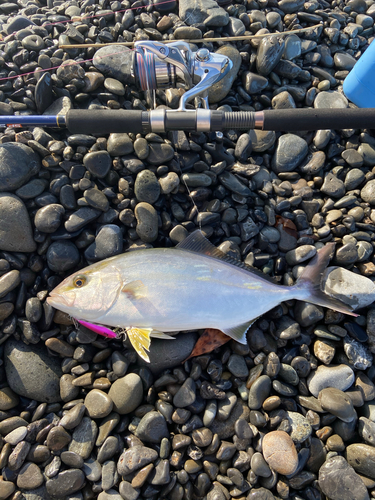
(340, 376)
(290, 151)
(219, 90)
(362, 458)
(353, 289)
(338, 480)
(15, 228)
(152, 428)
(270, 51)
(126, 393)
(32, 372)
(203, 11)
(18, 163)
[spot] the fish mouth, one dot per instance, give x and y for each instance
(56, 299)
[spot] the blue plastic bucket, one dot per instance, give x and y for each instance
(359, 85)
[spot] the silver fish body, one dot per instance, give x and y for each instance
(179, 289)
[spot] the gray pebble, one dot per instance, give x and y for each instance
(15, 228)
(83, 438)
(152, 428)
(146, 187)
(338, 480)
(290, 151)
(62, 256)
(65, 483)
(32, 372)
(126, 393)
(340, 377)
(185, 396)
(147, 222)
(135, 458)
(98, 163)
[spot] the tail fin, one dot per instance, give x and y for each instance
(311, 278)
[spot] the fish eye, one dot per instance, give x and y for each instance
(79, 281)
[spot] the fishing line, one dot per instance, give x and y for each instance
(130, 44)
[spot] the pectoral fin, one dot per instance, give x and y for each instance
(140, 340)
(135, 289)
(238, 332)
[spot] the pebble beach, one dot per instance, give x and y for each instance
(291, 415)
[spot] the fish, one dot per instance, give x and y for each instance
(151, 292)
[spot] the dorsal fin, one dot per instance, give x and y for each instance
(197, 243)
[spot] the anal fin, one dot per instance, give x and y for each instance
(238, 333)
(155, 334)
(140, 340)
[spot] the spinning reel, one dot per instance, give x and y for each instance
(154, 65)
(159, 66)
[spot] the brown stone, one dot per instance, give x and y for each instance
(279, 452)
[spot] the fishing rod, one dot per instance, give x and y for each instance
(154, 65)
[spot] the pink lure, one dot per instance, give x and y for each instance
(101, 330)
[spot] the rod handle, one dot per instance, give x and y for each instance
(98, 121)
(285, 120)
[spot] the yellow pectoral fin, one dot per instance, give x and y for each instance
(135, 289)
(140, 339)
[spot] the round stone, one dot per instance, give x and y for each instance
(147, 222)
(32, 372)
(98, 404)
(338, 403)
(368, 192)
(160, 153)
(362, 458)
(152, 428)
(119, 145)
(146, 187)
(15, 436)
(83, 438)
(330, 99)
(108, 242)
(253, 83)
(291, 150)
(8, 399)
(16, 234)
(220, 90)
(259, 392)
(6, 489)
(62, 256)
(279, 452)
(339, 481)
(169, 182)
(48, 219)
(126, 393)
(135, 458)
(65, 483)
(185, 396)
(58, 438)
(33, 42)
(338, 376)
(114, 86)
(98, 163)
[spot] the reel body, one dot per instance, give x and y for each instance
(159, 66)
